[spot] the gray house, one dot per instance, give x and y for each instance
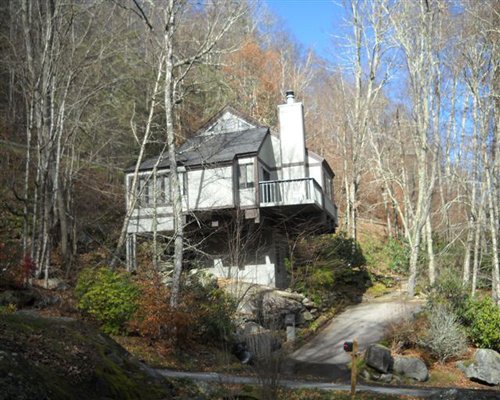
(245, 190)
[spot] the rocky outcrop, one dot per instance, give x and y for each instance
(485, 367)
(411, 367)
(379, 358)
(269, 306)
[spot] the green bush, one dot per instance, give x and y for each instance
(393, 254)
(342, 249)
(398, 253)
(449, 289)
(483, 320)
(212, 308)
(108, 296)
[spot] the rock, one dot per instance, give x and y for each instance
(251, 328)
(307, 316)
(365, 374)
(464, 394)
(289, 295)
(304, 317)
(379, 358)
(386, 378)
(19, 298)
(52, 284)
(485, 367)
(411, 367)
(271, 307)
(308, 303)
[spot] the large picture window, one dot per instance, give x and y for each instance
(150, 193)
(246, 176)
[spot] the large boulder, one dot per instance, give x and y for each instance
(411, 367)
(485, 367)
(271, 307)
(379, 358)
(265, 304)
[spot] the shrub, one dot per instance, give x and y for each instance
(326, 261)
(346, 250)
(108, 296)
(483, 320)
(204, 311)
(407, 333)
(393, 254)
(153, 317)
(449, 289)
(213, 308)
(8, 309)
(445, 337)
(217, 313)
(398, 253)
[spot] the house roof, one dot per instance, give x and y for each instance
(209, 149)
(238, 118)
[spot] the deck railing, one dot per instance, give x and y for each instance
(293, 191)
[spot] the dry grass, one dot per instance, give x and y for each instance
(196, 357)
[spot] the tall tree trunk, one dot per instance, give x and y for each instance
(430, 251)
(169, 94)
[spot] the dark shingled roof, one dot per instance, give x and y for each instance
(215, 148)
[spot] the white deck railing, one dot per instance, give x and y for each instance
(294, 191)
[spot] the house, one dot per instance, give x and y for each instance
(245, 190)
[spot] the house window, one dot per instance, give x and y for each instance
(266, 175)
(328, 185)
(148, 193)
(245, 176)
(144, 190)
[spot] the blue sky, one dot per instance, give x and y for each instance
(312, 22)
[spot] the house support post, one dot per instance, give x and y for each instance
(130, 252)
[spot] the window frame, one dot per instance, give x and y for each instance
(246, 175)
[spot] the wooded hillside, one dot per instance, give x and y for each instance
(407, 114)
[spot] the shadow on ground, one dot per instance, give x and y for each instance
(320, 371)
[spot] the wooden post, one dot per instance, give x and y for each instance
(354, 372)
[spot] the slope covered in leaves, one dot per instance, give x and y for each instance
(55, 358)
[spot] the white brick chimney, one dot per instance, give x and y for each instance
(293, 144)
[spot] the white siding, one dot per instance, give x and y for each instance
(142, 220)
(315, 170)
(210, 188)
(267, 157)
